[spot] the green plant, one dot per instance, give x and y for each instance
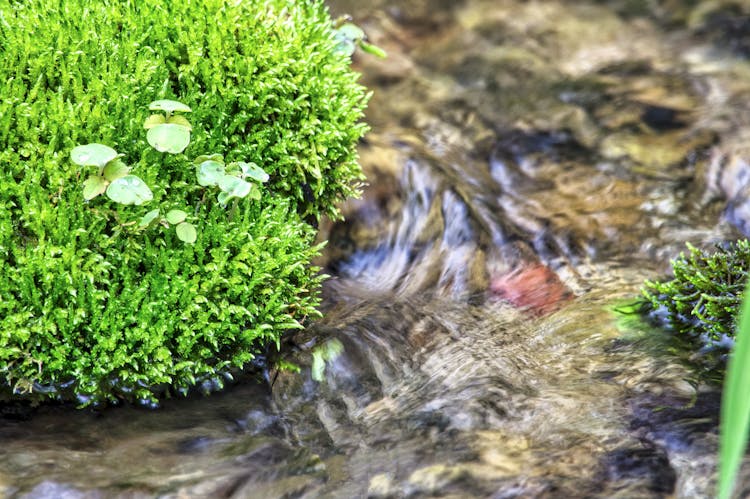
(349, 36)
(327, 352)
(184, 230)
(735, 405)
(113, 176)
(708, 300)
(96, 307)
(168, 132)
(171, 134)
(702, 299)
(230, 179)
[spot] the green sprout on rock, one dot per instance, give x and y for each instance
(168, 132)
(113, 176)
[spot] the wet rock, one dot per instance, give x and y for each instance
(432, 479)
(645, 463)
(194, 444)
(502, 452)
(16, 411)
(381, 486)
(724, 22)
(260, 421)
(289, 486)
(6, 489)
(54, 490)
(424, 15)
(662, 118)
(727, 178)
(653, 153)
(534, 288)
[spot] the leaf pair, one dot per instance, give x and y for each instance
(185, 231)
(167, 132)
(211, 171)
(113, 176)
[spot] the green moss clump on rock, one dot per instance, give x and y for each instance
(703, 299)
(91, 308)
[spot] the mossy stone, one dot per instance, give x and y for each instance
(96, 306)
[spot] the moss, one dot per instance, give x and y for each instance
(94, 309)
(702, 300)
(261, 76)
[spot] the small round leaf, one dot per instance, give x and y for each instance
(345, 47)
(180, 120)
(234, 187)
(169, 138)
(148, 218)
(209, 173)
(153, 120)
(254, 192)
(129, 190)
(176, 216)
(223, 198)
(350, 31)
(213, 157)
(228, 182)
(92, 155)
(93, 186)
(115, 169)
(186, 232)
(252, 171)
(168, 106)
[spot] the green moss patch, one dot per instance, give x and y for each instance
(702, 300)
(94, 305)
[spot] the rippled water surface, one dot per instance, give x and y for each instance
(529, 165)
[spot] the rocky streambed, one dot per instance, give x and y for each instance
(529, 165)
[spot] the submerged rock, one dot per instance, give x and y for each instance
(54, 490)
(535, 288)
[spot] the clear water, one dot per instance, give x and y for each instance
(530, 164)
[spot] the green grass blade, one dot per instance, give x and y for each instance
(735, 406)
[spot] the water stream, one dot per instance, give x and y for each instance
(530, 164)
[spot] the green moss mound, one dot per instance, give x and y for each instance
(91, 306)
(703, 299)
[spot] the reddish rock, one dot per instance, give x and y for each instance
(535, 288)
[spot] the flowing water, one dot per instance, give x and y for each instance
(530, 164)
